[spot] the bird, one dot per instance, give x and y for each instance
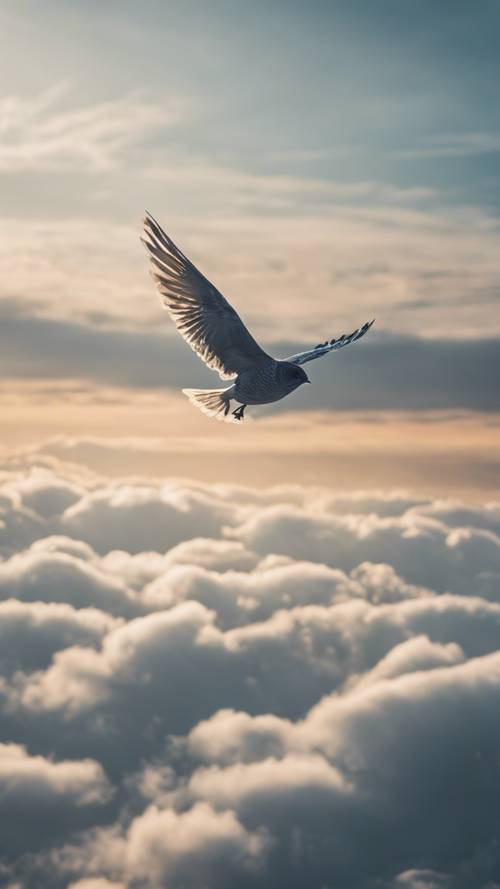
(215, 331)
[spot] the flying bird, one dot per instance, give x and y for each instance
(215, 331)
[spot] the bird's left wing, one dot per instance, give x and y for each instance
(329, 346)
(203, 316)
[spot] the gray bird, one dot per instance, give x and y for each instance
(217, 334)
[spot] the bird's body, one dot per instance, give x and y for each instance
(269, 381)
(216, 332)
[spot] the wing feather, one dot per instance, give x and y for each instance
(202, 315)
(329, 346)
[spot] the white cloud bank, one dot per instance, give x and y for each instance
(210, 686)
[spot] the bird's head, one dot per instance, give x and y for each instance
(298, 375)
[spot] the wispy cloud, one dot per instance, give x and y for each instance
(310, 271)
(267, 191)
(455, 145)
(46, 132)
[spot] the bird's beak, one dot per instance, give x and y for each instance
(308, 381)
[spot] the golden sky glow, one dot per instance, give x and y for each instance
(119, 431)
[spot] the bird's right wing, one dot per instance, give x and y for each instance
(203, 316)
(329, 345)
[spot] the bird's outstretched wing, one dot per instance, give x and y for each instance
(329, 346)
(203, 316)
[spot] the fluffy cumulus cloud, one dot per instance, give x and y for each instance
(209, 686)
(40, 797)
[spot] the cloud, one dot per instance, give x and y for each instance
(422, 879)
(422, 550)
(455, 145)
(27, 778)
(235, 736)
(41, 799)
(247, 784)
(112, 518)
(37, 574)
(458, 515)
(275, 192)
(411, 656)
(422, 269)
(164, 847)
(96, 883)
(275, 583)
(192, 847)
(96, 261)
(220, 685)
(359, 764)
(18, 526)
(31, 632)
(48, 133)
(44, 493)
(382, 740)
(433, 374)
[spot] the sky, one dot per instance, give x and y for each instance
(322, 166)
(264, 654)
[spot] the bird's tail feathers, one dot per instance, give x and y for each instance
(212, 402)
